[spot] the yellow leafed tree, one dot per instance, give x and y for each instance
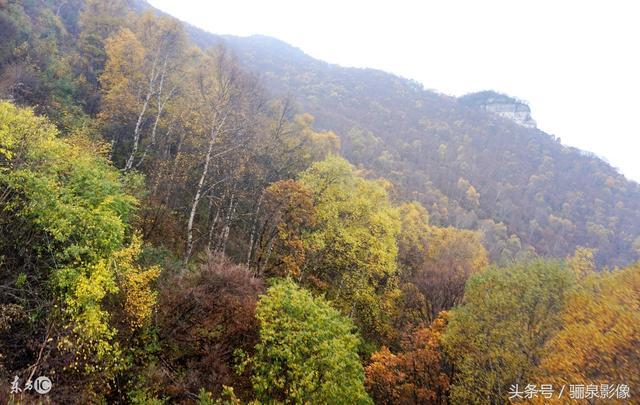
(599, 340)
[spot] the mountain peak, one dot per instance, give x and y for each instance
(501, 104)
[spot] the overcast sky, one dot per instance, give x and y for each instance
(577, 63)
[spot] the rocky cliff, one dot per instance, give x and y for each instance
(502, 105)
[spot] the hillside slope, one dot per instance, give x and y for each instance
(171, 233)
(471, 167)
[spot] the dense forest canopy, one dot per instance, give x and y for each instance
(520, 186)
(187, 218)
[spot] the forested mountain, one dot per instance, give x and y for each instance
(472, 169)
(192, 219)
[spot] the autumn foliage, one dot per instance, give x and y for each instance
(598, 342)
(172, 232)
(417, 374)
(203, 317)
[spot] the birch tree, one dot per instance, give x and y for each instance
(141, 76)
(223, 98)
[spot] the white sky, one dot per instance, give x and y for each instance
(577, 63)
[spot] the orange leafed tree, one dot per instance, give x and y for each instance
(416, 375)
(288, 211)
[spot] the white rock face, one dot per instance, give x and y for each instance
(519, 113)
(502, 105)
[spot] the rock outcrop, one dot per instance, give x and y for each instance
(500, 104)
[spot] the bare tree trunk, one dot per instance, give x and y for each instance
(232, 210)
(213, 224)
(212, 228)
(138, 129)
(112, 149)
(253, 229)
(136, 134)
(196, 199)
(266, 259)
(160, 106)
(174, 169)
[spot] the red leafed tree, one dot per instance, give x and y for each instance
(203, 317)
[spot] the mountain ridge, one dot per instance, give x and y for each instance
(470, 168)
(170, 224)
(550, 197)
